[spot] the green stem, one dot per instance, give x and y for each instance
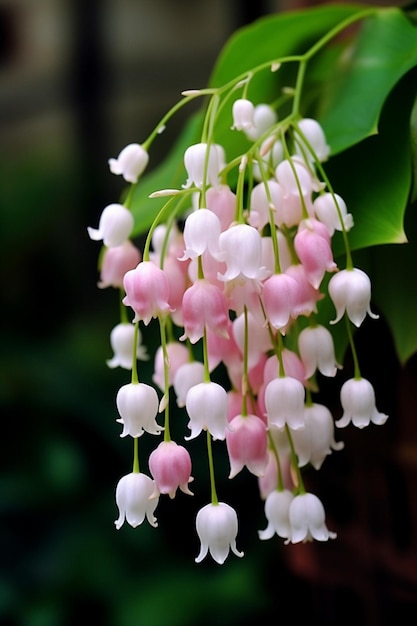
(135, 379)
(162, 327)
(214, 499)
(245, 382)
(136, 469)
(280, 480)
(294, 461)
(207, 378)
(356, 368)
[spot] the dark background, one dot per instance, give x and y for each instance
(78, 81)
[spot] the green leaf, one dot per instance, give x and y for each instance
(357, 86)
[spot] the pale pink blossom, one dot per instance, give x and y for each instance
(264, 117)
(222, 202)
(247, 445)
(312, 135)
(280, 296)
(258, 337)
(170, 466)
(297, 185)
(116, 262)
(204, 306)
(133, 499)
(217, 528)
(316, 347)
(243, 111)
(186, 376)
(350, 291)
(312, 245)
(241, 250)
(260, 205)
(147, 291)
(308, 296)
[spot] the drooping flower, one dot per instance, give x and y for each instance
(206, 405)
(138, 406)
(307, 519)
(147, 291)
(284, 401)
(350, 291)
(177, 355)
(312, 245)
(133, 495)
(264, 117)
(187, 375)
(130, 163)
(241, 250)
(243, 111)
(170, 466)
(121, 340)
(327, 212)
(201, 232)
(277, 507)
(116, 262)
(316, 440)
(312, 135)
(115, 225)
(357, 397)
(204, 306)
(217, 528)
(280, 295)
(247, 445)
(316, 347)
(195, 159)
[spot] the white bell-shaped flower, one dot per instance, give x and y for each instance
(264, 117)
(206, 405)
(326, 211)
(314, 136)
(243, 112)
(133, 499)
(307, 519)
(115, 225)
(316, 440)
(277, 506)
(217, 528)
(203, 163)
(130, 163)
(357, 397)
(201, 232)
(121, 340)
(138, 407)
(284, 402)
(350, 291)
(187, 376)
(241, 250)
(316, 348)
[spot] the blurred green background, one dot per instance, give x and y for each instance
(78, 81)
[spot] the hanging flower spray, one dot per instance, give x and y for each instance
(237, 266)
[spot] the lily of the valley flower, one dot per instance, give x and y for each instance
(357, 397)
(247, 445)
(316, 440)
(116, 262)
(133, 499)
(217, 528)
(277, 506)
(307, 519)
(147, 291)
(206, 405)
(170, 466)
(284, 401)
(121, 340)
(115, 225)
(195, 159)
(130, 163)
(138, 406)
(350, 291)
(243, 112)
(316, 347)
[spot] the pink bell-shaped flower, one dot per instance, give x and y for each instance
(170, 466)
(133, 499)
(138, 407)
(307, 296)
(284, 401)
(307, 519)
(147, 291)
(115, 225)
(277, 506)
(247, 445)
(222, 201)
(312, 245)
(196, 157)
(316, 440)
(350, 291)
(116, 262)
(357, 397)
(243, 112)
(217, 528)
(130, 163)
(280, 295)
(316, 347)
(121, 340)
(206, 405)
(204, 305)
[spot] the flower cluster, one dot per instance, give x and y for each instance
(237, 262)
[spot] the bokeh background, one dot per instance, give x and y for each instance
(78, 81)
